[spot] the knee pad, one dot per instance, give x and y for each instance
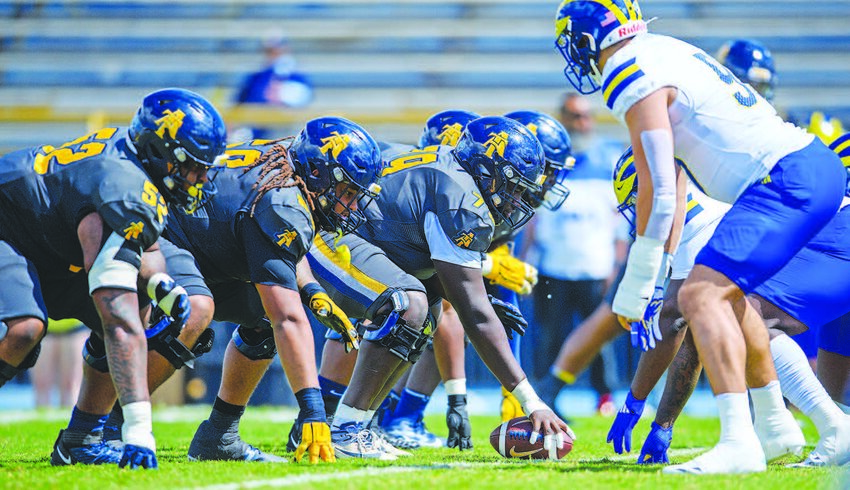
(8, 372)
(401, 339)
(94, 353)
(255, 343)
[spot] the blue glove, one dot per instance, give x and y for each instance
(656, 445)
(170, 297)
(646, 332)
(137, 457)
(621, 430)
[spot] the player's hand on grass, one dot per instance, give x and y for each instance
(138, 457)
(315, 443)
(510, 316)
(655, 446)
(457, 420)
(621, 430)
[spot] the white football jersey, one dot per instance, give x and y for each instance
(701, 218)
(726, 134)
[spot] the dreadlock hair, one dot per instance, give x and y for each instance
(277, 158)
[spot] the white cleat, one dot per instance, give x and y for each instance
(780, 435)
(724, 458)
(833, 449)
(382, 444)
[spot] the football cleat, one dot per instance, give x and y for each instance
(780, 435)
(724, 458)
(95, 452)
(210, 444)
(379, 438)
(411, 434)
(351, 440)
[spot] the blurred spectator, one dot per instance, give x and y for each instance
(279, 83)
(60, 364)
(574, 250)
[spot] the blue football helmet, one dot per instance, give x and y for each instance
(176, 131)
(506, 161)
(752, 63)
(336, 158)
(445, 128)
(585, 27)
(626, 187)
(557, 148)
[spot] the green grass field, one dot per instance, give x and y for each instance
(26, 441)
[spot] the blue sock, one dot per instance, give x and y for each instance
(331, 394)
(86, 422)
(310, 404)
(386, 412)
(411, 405)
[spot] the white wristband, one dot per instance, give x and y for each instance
(455, 386)
(486, 265)
(138, 428)
(638, 282)
(528, 398)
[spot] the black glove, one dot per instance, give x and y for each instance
(510, 316)
(457, 420)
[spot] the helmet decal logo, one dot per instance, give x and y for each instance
(335, 143)
(450, 134)
(497, 143)
(171, 122)
(609, 18)
(532, 127)
(284, 238)
(133, 231)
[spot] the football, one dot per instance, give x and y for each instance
(511, 440)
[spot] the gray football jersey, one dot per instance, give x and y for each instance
(414, 184)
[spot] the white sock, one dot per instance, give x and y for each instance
(800, 385)
(735, 422)
(345, 414)
(767, 400)
(368, 417)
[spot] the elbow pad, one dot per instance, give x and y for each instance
(116, 266)
(658, 149)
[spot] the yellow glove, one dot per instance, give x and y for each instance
(315, 441)
(331, 315)
(827, 130)
(501, 268)
(511, 407)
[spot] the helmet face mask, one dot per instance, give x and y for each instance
(177, 133)
(340, 164)
(445, 128)
(506, 161)
(557, 149)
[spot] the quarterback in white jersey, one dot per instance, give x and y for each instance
(784, 189)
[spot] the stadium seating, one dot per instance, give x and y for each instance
(388, 63)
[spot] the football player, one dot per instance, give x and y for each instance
(241, 251)
(783, 187)
(507, 276)
(425, 235)
(797, 380)
(76, 219)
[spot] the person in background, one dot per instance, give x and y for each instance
(61, 365)
(574, 250)
(279, 83)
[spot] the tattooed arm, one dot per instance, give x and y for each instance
(123, 333)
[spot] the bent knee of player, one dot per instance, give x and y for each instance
(25, 333)
(203, 309)
(417, 310)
